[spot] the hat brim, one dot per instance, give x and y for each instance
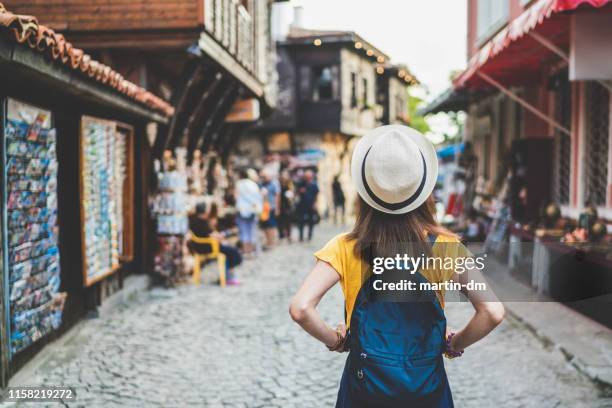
(427, 150)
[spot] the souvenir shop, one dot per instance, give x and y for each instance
(75, 176)
(536, 169)
(180, 187)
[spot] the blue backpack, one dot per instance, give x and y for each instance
(396, 348)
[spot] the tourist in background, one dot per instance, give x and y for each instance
(306, 211)
(339, 200)
(271, 195)
(285, 211)
(248, 206)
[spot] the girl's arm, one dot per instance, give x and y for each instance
(489, 311)
(303, 307)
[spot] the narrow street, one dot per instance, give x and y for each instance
(237, 347)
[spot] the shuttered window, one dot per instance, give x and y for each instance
(563, 142)
(597, 144)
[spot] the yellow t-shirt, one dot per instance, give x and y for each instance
(339, 253)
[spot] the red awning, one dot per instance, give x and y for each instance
(513, 56)
(565, 5)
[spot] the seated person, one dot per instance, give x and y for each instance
(201, 226)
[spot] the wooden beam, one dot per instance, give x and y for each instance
(4, 280)
(197, 119)
(4, 323)
(524, 103)
(105, 15)
(563, 55)
(189, 79)
(209, 109)
(218, 117)
(550, 45)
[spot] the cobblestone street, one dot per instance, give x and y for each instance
(237, 347)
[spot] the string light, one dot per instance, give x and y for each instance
(370, 53)
(358, 45)
(380, 70)
(317, 42)
(402, 74)
(380, 59)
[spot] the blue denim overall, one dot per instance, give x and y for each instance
(395, 357)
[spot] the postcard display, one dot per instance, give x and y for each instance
(170, 207)
(36, 304)
(104, 172)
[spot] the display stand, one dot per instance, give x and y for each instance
(170, 208)
(172, 225)
(31, 229)
(106, 185)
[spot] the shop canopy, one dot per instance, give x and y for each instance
(518, 51)
(451, 100)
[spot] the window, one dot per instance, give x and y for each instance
(322, 81)
(353, 90)
(364, 93)
(563, 144)
(492, 14)
(597, 146)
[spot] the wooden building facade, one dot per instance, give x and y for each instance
(203, 56)
(334, 86)
(537, 93)
(75, 137)
(536, 71)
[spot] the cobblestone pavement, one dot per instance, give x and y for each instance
(237, 347)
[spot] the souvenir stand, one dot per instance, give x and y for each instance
(31, 230)
(106, 151)
(170, 208)
(572, 261)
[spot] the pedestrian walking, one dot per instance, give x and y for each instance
(396, 339)
(339, 200)
(306, 212)
(271, 195)
(285, 212)
(249, 206)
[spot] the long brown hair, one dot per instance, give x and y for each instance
(379, 231)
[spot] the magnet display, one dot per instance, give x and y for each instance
(105, 176)
(36, 304)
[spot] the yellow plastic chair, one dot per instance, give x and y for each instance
(214, 254)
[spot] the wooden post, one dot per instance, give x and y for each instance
(4, 296)
(4, 321)
(217, 116)
(546, 118)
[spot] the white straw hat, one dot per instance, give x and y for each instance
(394, 168)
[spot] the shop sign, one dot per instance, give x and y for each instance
(244, 110)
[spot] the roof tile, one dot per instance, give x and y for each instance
(26, 30)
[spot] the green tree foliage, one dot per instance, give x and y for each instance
(457, 122)
(416, 121)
